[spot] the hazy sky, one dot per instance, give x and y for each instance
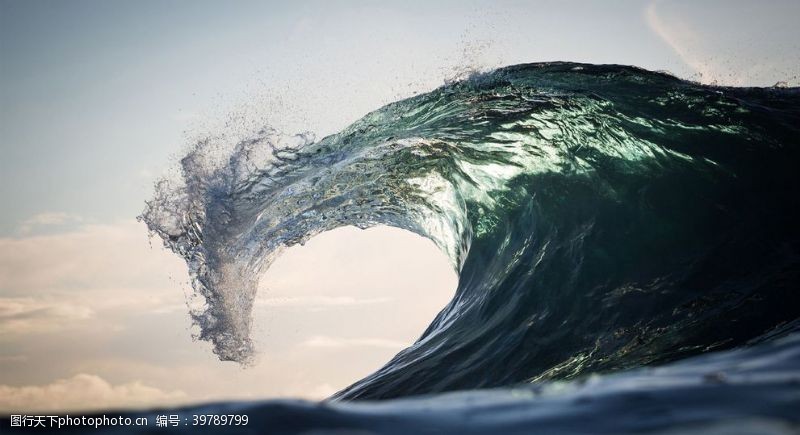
(97, 98)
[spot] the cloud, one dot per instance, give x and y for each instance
(48, 219)
(90, 276)
(84, 392)
(95, 264)
(101, 298)
(321, 301)
(748, 45)
(337, 342)
(28, 314)
(679, 36)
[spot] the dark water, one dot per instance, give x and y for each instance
(752, 390)
(601, 219)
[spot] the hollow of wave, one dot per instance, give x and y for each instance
(600, 217)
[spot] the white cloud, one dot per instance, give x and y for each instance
(95, 263)
(100, 298)
(338, 342)
(89, 277)
(48, 219)
(84, 392)
(680, 38)
(748, 45)
(320, 301)
(27, 314)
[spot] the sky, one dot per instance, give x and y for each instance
(99, 98)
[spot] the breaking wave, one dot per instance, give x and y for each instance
(600, 218)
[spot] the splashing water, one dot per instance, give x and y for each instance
(600, 218)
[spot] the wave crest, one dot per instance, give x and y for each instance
(600, 217)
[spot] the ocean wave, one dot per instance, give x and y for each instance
(600, 218)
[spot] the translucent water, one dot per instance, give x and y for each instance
(601, 218)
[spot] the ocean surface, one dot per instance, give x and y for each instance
(627, 245)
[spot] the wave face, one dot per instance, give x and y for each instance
(600, 218)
